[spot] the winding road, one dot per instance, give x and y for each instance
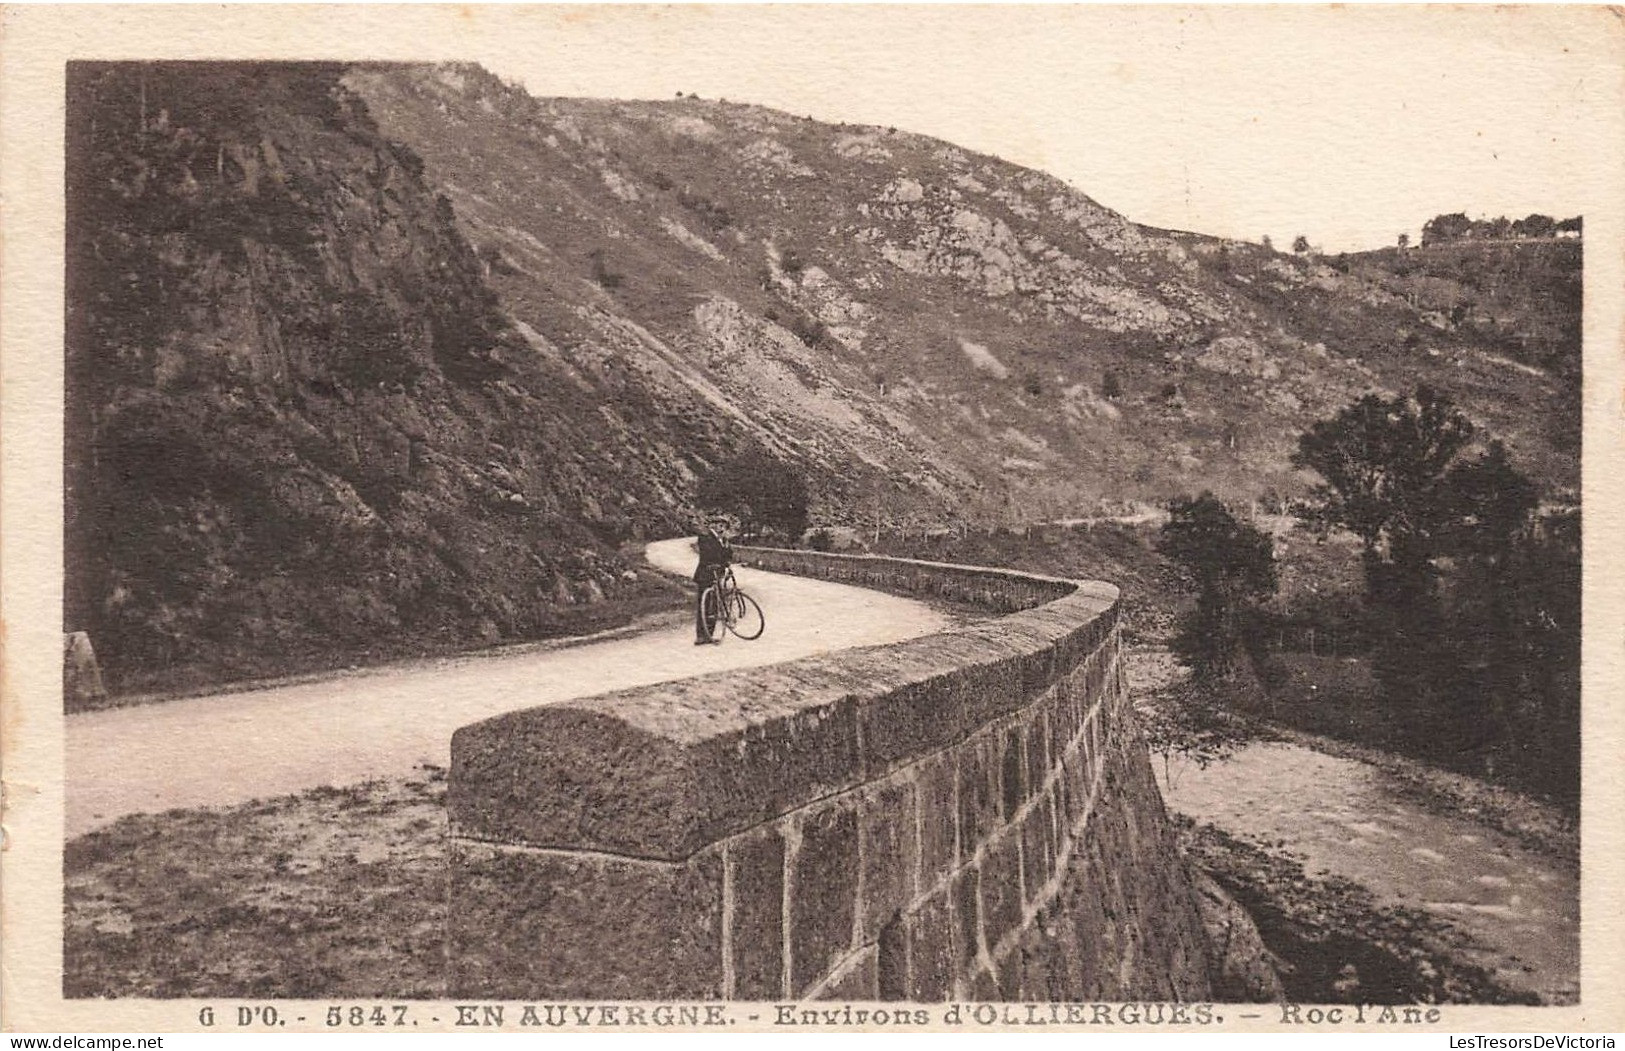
(234, 747)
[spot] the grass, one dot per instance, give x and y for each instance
(652, 596)
(332, 893)
(1336, 696)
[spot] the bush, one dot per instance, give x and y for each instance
(602, 275)
(809, 330)
(767, 495)
(1232, 565)
(821, 540)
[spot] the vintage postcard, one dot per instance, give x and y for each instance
(818, 518)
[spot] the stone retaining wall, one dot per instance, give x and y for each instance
(969, 815)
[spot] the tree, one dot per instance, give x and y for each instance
(1543, 578)
(1383, 461)
(1442, 229)
(1448, 551)
(1269, 245)
(1231, 564)
(1404, 240)
(768, 495)
(1535, 225)
(1490, 502)
(1487, 537)
(1300, 244)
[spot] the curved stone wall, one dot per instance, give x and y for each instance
(968, 815)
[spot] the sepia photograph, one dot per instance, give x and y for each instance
(876, 518)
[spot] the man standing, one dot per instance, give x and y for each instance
(715, 555)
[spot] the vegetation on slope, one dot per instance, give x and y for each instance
(300, 425)
(398, 356)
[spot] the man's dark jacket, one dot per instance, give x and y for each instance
(713, 553)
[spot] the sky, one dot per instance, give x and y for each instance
(1347, 125)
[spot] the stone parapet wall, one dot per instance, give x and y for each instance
(995, 590)
(968, 815)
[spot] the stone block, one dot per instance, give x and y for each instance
(934, 786)
(756, 881)
(659, 772)
(933, 959)
(1061, 795)
(859, 981)
(889, 854)
(1062, 719)
(892, 959)
(1036, 734)
(1001, 888)
(902, 724)
(1040, 669)
(1062, 829)
(823, 893)
(966, 901)
(1087, 760)
(1076, 787)
(1078, 701)
(1012, 773)
(911, 708)
(996, 687)
(1037, 848)
(1093, 733)
(529, 924)
(978, 792)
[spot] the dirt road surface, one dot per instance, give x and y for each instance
(234, 747)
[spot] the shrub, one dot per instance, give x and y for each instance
(1232, 565)
(602, 275)
(809, 330)
(768, 495)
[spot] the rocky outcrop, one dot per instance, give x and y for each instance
(81, 675)
(299, 419)
(1239, 964)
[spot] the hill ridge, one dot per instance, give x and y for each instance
(378, 350)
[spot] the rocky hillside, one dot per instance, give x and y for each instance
(985, 333)
(369, 352)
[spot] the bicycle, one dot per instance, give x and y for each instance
(725, 605)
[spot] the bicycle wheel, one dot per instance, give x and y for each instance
(711, 614)
(745, 616)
